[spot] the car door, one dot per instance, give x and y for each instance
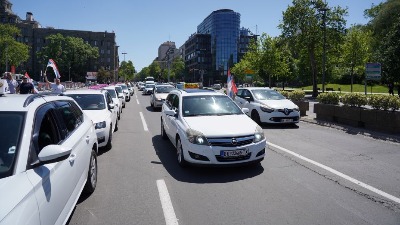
(168, 119)
(245, 99)
(114, 111)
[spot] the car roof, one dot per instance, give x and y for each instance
(256, 88)
(197, 92)
(84, 91)
(22, 103)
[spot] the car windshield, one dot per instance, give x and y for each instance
(164, 89)
(118, 89)
(209, 105)
(124, 87)
(89, 101)
(149, 85)
(112, 93)
(10, 135)
(266, 94)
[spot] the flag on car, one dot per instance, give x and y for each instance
(231, 89)
(53, 65)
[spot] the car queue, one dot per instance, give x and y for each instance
(47, 137)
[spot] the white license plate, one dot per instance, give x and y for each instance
(287, 120)
(234, 153)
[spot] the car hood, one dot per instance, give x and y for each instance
(13, 191)
(161, 95)
(222, 126)
(279, 104)
(98, 115)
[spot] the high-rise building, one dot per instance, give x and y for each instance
(34, 35)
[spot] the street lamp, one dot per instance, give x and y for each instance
(124, 53)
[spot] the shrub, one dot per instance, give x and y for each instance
(296, 95)
(328, 98)
(354, 99)
(375, 101)
(394, 103)
(384, 102)
(284, 93)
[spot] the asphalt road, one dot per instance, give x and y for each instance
(311, 175)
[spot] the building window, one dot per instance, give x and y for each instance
(95, 43)
(108, 60)
(37, 49)
(102, 51)
(38, 40)
(26, 39)
(108, 51)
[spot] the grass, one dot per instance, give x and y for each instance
(356, 88)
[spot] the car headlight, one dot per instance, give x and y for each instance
(196, 137)
(100, 125)
(266, 108)
(259, 134)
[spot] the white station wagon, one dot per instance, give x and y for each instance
(208, 128)
(48, 156)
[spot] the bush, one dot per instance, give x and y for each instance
(328, 98)
(354, 99)
(296, 95)
(384, 102)
(258, 84)
(284, 93)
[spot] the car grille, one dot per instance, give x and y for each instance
(231, 141)
(285, 111)
(232, 159)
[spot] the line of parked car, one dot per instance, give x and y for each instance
(48, 149)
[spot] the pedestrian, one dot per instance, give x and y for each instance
(391, 86)
(398, 90)
(12, 84)
(26, 87)
(56, 87)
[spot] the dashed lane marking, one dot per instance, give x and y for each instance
(168, 209)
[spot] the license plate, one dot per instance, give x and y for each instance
(287, 120)
(234, 153)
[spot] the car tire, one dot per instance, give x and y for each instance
(91, 181)
(255, 116)
(109, 142)
(163, 134)
(116, 125)
(179, 152)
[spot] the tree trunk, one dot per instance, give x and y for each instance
(313, 70)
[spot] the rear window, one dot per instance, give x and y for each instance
(89, 101)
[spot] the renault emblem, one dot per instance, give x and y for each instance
(286, 111)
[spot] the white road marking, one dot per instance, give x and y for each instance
(137, 101)
(342, 175)
(144, 122)
(168, 209)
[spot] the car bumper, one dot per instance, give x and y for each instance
(279, 118)
(102, 136)
(158, 104)
(211, 155)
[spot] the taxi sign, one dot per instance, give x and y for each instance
(4, 87)
(191, 86)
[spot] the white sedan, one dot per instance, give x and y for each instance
(267, 106)
(48, 156)
(100, 107)
(159, 95)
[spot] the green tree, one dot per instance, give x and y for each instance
(303, 24)
(385, 26)
(178, 67)
(155, 70)
(11, 50)
(126, 70)
(71, 54)
(104, 76)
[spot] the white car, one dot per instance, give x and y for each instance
(100, 107)
(48, 156)
(126, 92)
(117, 101)
(208, 128)
(148, 88)
(121, 95)
(267, 106)
(159, 95)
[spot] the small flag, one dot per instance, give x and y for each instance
(53, 65)
(231, 86)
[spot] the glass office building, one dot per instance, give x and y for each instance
(224, 27)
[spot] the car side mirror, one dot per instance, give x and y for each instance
(245, 110)
(248, 98)
(120, 95)
(111, 105)
(54, 153)
(170, 112)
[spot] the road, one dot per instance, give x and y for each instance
(311, 175)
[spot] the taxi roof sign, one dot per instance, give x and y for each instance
(191, 86)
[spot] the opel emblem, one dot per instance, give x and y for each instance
(234, 141)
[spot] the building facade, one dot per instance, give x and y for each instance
(34, 35)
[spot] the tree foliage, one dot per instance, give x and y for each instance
(71, 54)
(104, 76)
(126, 70)
(11, 50)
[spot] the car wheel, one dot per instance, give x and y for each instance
(163, 134)
(116, 125)
(109, 144)
(179, 152)
(255, 116)
(91, 181)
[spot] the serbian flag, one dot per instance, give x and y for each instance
(53, 65)
(231, 86)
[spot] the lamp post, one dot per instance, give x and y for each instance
(124, 53)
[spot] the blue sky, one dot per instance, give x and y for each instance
(141, 26)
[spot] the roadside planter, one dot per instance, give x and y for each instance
(297, 97)
(373, 119)
(303, 107)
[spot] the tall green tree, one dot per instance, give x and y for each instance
(304, 23)
(71, 54)
(126, 70)
(11, 50)
(104, 76)
(178, 68)
(155, 70)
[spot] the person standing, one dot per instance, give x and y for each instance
(12, 84)
(391, 86)
(26, 87)
(56, 87)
